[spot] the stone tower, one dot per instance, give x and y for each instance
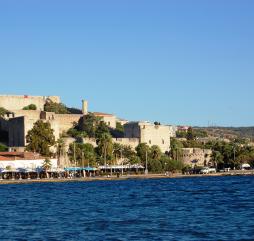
(84, 107)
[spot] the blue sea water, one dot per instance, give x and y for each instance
(211, 208)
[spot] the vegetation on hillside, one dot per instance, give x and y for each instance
(57, 108)
(30, 107)
(229, 132)
(60, 108)
(192, 134)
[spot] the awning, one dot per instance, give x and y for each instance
(73, 169)
(245, 165)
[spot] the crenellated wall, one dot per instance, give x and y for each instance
(18, 102)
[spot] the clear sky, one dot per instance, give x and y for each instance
(174, 61)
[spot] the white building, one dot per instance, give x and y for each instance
(23, 160)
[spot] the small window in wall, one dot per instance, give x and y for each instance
(150, 142)
(163, 142)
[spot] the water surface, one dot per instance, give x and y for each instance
(211, 208)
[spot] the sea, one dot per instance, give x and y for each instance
(205, 208)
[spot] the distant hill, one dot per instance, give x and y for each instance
(229, 132)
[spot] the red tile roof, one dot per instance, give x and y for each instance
(3, 158)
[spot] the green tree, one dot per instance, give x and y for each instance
(58, 108)
(119, 127)
(88, 123)
(171, 165)
(84, 154)
(117, 150)
(216, 158)
(130, 154)
(3, 111)
(30, 107)
(142, 150)
(174, 166)
(47, 166)
(154, 166)
(176, 149)
(89, 154)
(40, 138)
(155, 152)
(105, 147)
(190, 134)
(101, 129)
(181, 134)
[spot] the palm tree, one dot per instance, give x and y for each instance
(105, 146)
(216, 158)
(155, 152)
(117, 149)
(47, 165)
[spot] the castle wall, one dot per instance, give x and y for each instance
(156, 135)
(66, 122)
(18, 102)
(30, 114)
(196, 156)
(132, 142)
(149, 133)
(110, 121)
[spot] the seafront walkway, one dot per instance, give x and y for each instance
(125, 177)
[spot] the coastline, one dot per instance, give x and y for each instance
(127, 177)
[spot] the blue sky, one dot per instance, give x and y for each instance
(175, 61)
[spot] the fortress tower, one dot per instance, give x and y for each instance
(84, 107)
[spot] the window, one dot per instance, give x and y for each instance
(150, 142)
(163, 142)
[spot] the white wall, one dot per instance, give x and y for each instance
(28, 164)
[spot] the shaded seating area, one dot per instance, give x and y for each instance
(114, 169)
(81, 171)
(27, 173)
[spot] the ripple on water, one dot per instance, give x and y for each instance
(213, 208)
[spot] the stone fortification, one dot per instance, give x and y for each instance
(150, 134)
(196, 156)
(18, 102)
(63, 121)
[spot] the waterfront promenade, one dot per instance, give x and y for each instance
(125, 177)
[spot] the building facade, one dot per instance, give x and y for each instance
(150, 134)
(17, 122)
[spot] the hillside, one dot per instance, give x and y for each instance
(229, 132)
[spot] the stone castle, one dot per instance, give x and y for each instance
(17, 122)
